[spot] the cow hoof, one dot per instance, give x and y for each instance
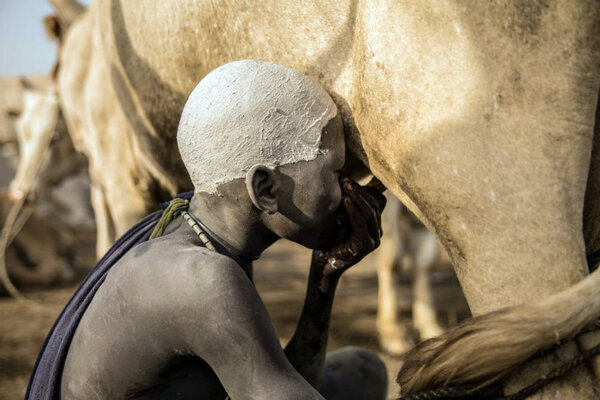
(395, 346)
(15, 195)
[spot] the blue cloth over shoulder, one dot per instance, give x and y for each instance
(46, 378)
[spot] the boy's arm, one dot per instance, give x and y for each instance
(218, 316)
(307, 349)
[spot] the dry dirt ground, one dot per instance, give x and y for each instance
(280, 277)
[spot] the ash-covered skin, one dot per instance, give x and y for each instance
(176, 320)
(250, 112)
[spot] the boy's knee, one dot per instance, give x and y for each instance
(354, 373)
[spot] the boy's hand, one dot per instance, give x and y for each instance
(358, 235)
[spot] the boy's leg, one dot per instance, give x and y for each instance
(186, 378)
(354, 373)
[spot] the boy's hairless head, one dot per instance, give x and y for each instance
(250, 112)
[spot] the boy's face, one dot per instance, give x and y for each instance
(309, 192)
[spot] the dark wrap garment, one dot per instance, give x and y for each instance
(45, 382)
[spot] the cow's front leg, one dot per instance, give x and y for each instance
(394, 337)
(105, 235)
(424, 253)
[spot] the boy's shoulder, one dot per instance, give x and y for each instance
(166, 267)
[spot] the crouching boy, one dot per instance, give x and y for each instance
(178, 316)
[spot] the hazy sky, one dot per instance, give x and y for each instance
(24, 47)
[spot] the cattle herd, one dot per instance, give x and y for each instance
(479, 117)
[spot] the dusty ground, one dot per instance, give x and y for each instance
(280, 277)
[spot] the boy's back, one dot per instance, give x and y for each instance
(125, 343)
(166, 305)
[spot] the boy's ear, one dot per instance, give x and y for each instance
(261, 183)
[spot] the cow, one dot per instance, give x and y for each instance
(44, 245)
(44, 159)
(41, 127)
(479, 116)
(126, 194)
(11, 106)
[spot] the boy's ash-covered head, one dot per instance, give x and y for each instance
(250, 112)
(264, 146)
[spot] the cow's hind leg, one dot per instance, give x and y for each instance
(126, 202)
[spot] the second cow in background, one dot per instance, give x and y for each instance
(405, 239)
